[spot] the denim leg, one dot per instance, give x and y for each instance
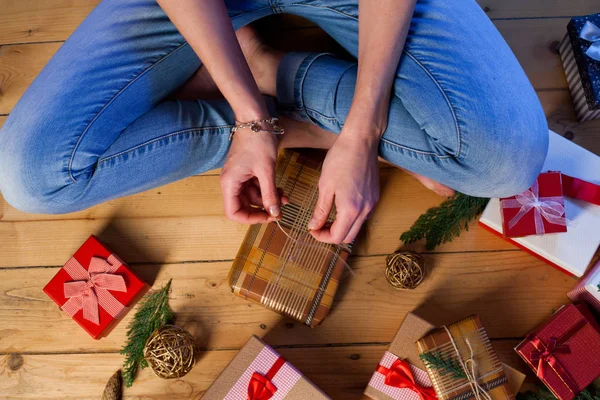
(462, 112)
(95, 125)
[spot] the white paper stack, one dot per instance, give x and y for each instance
(571, 251)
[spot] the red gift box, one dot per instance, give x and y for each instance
(95, 287)
(564, 351)
(538, 210)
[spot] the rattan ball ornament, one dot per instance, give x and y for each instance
(170, 352)
(404, 270)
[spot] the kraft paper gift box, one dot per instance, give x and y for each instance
(588, 288)
(401, 375)
(258, 372)
(465, 345)
(580, 55)
(564, 352)
(570, 251)
(95, 287)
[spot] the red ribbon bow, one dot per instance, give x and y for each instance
(261, 386)
(545, 355)
(90, 288)
(400, 376)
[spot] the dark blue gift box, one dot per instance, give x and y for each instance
(582, 71)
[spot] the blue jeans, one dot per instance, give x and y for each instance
(96, 123)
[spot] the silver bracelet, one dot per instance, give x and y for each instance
(255, 126)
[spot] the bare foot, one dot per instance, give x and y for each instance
(262, 60)
(432, 185)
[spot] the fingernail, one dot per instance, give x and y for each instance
(274, 210)
(312, 224)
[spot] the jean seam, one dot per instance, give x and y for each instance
(304, 70)
(164, 57)
(409, 149)
(324, 7)
(448, 102)
(176, 133)
(321, 115)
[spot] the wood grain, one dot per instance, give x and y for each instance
(41, 20)
(342, 372)
(561, 119)
(19, 65)
(170, 224)
(511, 290)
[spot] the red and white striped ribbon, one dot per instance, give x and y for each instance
(89, 289)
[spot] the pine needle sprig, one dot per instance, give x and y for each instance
(153, 312)
(445, 222)
(445, 366)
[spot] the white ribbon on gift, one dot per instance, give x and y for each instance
(551, 208)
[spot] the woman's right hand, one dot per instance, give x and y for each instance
(248, 178)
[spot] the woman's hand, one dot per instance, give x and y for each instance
(350, 178)
(248, 178)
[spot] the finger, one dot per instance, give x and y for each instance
(338, 230)
(254, 197)
(282, 197)
(237, 204)
(355, 229)
(322, 210)
(268, 192)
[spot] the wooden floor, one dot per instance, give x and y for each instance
(179, 231)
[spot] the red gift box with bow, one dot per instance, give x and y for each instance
(564, 351)
(95, 287)
(538, 210)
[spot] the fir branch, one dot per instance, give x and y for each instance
(443, 223)
(153, 312)
(435, 361)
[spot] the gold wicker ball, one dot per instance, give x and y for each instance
(170, 352)
(404, 270)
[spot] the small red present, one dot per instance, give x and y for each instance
(564, 351)
(95, 287)
(538, 210)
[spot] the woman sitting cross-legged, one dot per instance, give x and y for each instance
(124, 106)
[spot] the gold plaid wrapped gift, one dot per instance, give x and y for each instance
(284, 268)
(472, 368)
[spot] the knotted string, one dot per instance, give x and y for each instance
(316, 246)
(471, 374)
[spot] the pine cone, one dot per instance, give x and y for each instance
(113, 389)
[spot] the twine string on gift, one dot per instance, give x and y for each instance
(316, 246)
(90, 289)
(400, 376)
(591, 33)
(545, 355)
(549, 208)
(471, 373)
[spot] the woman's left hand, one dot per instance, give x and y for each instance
(350, 178)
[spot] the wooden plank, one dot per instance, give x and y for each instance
(558, 106)
(537, 9)
(2, 119)
(171, 224)
(534, 43)
(531, 40)
(342, 372)
(60, 376)
(41, 20)
(511, 291)
(19, 65)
